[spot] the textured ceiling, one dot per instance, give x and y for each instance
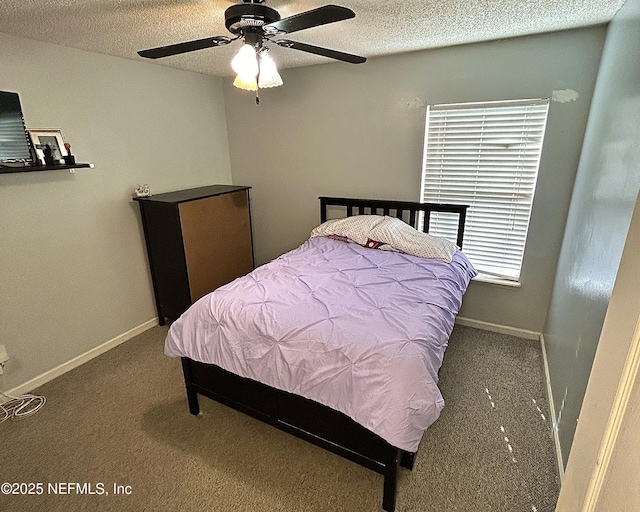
(381, 27)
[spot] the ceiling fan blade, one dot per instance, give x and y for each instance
(189, 46)
(312, 18)
(325, 52)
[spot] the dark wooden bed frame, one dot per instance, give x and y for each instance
(306, 419)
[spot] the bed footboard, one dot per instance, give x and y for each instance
(300, 417)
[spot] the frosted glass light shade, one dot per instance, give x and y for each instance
(246, 83)
(245, 63)
(269, 76)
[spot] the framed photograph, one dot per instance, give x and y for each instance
(42, 138)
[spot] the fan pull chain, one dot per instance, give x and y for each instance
(258, 82)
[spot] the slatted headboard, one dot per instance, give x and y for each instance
(406, 211)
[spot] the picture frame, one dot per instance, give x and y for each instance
(41, 137)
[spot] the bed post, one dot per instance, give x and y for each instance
(391, 481)
(407, 460)
(461, 223)
(323, 209)
(192, 396)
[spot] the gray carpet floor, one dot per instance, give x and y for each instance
(122, 419)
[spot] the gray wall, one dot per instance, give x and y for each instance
(602, 472)
(358, 131)
(605, 192)
(73, 271)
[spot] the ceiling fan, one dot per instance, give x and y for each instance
(257, 24)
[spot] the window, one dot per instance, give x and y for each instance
(485, 155)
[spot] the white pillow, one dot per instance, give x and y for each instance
(399, 236)
(356, 228)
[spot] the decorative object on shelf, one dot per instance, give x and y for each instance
(15, 147)
(69, 159)
(48, 155)
(41, 138)
(142, 191)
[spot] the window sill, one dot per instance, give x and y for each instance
(485, 278)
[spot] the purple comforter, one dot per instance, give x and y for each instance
(360, 330)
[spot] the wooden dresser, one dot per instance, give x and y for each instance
(197, 240)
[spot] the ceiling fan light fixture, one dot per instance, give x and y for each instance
(245, 63)
(269, 76)
(256, 24)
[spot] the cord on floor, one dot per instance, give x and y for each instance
(18, 407)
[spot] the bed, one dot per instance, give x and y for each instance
(339, 341)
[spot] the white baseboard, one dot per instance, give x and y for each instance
(502, 329)
(552, 410)
(30, 385)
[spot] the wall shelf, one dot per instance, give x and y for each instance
(34, 168)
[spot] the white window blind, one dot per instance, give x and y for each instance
(485, 155)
